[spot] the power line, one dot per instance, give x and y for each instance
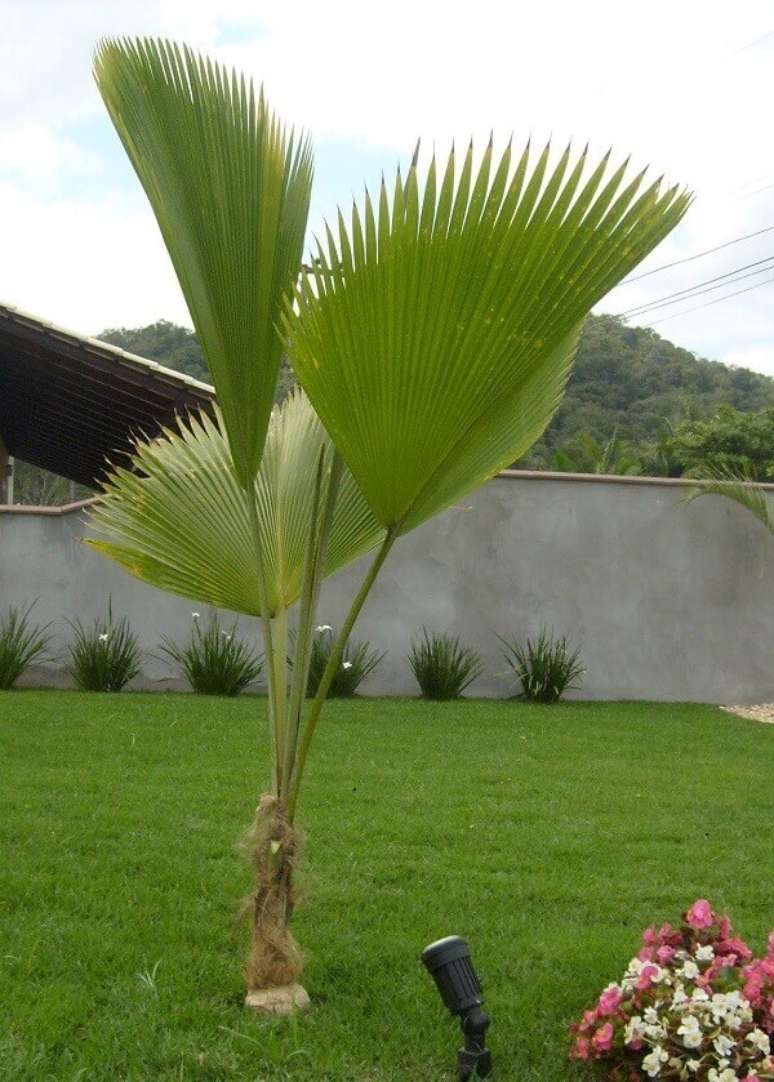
(690, 291)
(708, 304)
(698, 255)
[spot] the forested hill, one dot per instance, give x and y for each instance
(630, 381)
(627, 381)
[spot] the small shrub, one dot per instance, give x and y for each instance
(21, 643)
(545, 667)
(104, 656)
(214, 660)
(443, 666)
(358, 660)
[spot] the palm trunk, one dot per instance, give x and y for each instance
(273, 845)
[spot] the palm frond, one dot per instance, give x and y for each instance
(436, 333)
(230, 189)
(737, 486)
(177, 519)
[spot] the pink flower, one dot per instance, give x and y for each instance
(581, 1048)
(602, 1041)
(646, 954)
(610, 1000)
(735, 947)
(590, 1019)
(664, 955)
(700, 914)
(648, 976)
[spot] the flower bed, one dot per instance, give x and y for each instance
(693, 1004)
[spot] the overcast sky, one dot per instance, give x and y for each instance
(684, 85)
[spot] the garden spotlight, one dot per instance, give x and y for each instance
(448, 962)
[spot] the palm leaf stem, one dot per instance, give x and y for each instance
(275, 722)
(316, 705)
(313, 575)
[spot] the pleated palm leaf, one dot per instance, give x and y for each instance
(436, 335)
(230, 189)
(176, 519)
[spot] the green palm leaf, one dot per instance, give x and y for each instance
(178, 520)
(436, 334)
(230, 189)
(738, 486)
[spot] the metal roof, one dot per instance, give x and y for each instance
(72, 404)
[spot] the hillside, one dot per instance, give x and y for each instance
(629, 389)
(627, 381)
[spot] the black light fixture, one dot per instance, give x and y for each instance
(448, 962)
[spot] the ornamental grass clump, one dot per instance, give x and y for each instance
(21, 643)
(443, 666)
(357, 661)
(214, 660)
(104, 656)
(545, 667)
(692, 1005)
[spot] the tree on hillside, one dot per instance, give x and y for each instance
(729, 443)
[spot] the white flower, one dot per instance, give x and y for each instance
(690, 970)
(759, 1040)
(724, 1046)
(346, 664)
(727, 1075)
(652, 1063)
(103, 637)
(194, 615)
(323, 627)
(699, 995)
(693, 1065)
(690, 1031)
(705, 954)
(651, 1015)
(635, 1030)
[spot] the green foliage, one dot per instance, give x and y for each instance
(545, 667)
(730, 443)
(632, 382)
(443, 666)
(739, 487)
(587, 455)
(104, 656)
(230, 188)
(214, 660)
(356, 662)
(21, 643)
(435, 336)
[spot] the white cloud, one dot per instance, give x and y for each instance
(674, 84)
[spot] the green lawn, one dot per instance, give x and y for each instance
(549, 836)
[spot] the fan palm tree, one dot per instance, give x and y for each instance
(433, 338)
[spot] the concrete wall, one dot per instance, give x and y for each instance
(666, 601)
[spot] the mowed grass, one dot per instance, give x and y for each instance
(549, 836)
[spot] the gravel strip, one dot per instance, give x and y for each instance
(760, 712)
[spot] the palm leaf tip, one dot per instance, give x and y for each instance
(438, 335)
(230, 188)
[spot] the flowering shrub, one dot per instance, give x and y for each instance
(692, 1005)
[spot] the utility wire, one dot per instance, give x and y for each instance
(697, 289)
(698, 255)
(708, 304)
